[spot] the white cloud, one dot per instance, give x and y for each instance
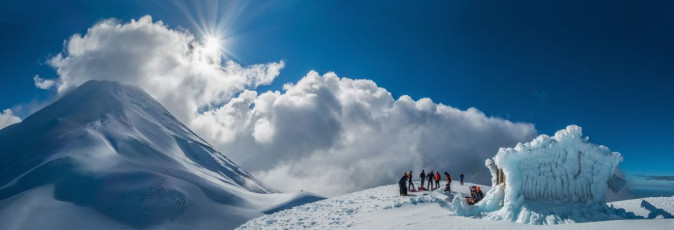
(324, 133)
(7, 118)
(169, 64)
(333, 135)
(43, 83)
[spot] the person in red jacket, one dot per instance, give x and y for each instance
(437, 180)
(448, 187)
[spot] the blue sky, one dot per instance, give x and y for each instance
(605, 65)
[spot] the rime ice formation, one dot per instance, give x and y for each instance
(564, 167)
(565, 172)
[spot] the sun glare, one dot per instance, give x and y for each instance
(212, 44)
(213, 23)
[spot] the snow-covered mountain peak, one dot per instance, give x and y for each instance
(103, 100)
(113, 149)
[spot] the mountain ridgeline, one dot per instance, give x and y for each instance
(112, 148)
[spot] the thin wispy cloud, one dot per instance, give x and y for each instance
(8, 118)
(663, 178)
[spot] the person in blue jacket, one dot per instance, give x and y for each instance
(461, 176)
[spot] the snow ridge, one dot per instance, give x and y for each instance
(111, 150)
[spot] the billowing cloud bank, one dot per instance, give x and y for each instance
(7, 118)
(333, 135)
(324, 133)
(171, 65)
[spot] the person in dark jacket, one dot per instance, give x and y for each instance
(410, 185)
(429, 178)
(402, 185)
(461, 176)
(423, 177)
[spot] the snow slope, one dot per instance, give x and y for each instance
(108, 156)
(383, 208)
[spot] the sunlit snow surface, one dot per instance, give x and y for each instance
(383, 208)
(561, 179)
(108, 156)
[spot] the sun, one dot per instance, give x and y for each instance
(212, 44)
(212, 23)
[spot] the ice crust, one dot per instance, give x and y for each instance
(565, 167)
(550, 180)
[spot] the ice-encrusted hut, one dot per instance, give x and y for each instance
(555, 179)
(565, 167)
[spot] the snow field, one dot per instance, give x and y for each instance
(339, 212)
(383, 208)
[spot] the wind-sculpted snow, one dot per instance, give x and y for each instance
(650, 208)
(111, 149)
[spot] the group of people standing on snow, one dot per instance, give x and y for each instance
(405, 183)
